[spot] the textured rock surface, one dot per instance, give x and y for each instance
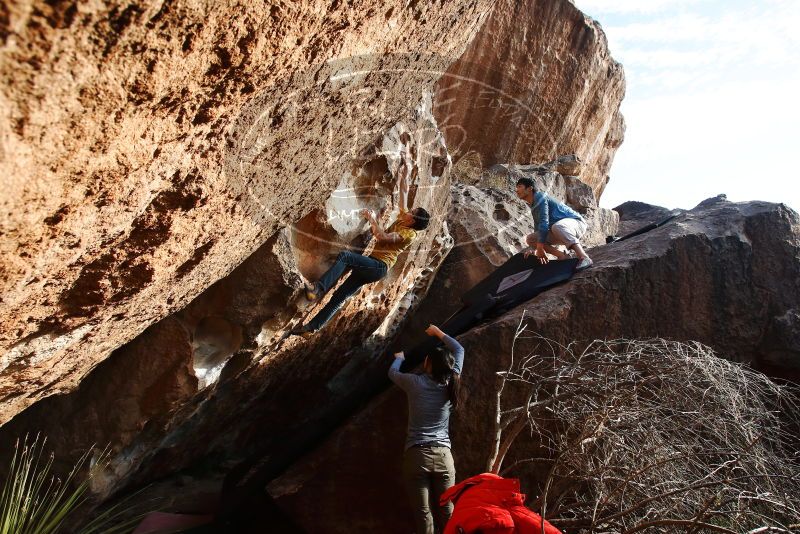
(251, 393)
(175, 169)
(150, 149)
(131, 392)
(634, 215)
(722, 273)
(376, 433)
(725, 274)
(538, 81)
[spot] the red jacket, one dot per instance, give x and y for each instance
(492, 505)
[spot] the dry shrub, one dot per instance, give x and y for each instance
(655, 436)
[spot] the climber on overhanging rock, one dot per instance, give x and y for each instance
(428, 469)
(390, 243)
(556, 224)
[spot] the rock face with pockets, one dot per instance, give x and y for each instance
(176, 171)
(151, 149)
(540, 74)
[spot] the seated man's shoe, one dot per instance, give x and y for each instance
(585, 263)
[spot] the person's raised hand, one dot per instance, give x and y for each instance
(367, 214)
(434, 331)
(400, 355)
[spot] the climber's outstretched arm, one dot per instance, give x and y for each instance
(402, 193)
(380, 234)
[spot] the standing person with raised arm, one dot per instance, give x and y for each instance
(390, 243)
(556, 224)
(428, 468)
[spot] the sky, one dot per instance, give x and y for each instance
(712, 102)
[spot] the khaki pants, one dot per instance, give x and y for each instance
(428, 472)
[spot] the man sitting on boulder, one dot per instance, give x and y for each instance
(556, 224)
(390, 243)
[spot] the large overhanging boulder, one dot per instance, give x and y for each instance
(174, 174)
(150, 149)
(537, 82)
(233, 371)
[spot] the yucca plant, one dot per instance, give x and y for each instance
(34, 501)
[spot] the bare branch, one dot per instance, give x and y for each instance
(677, 523)
(637, 434)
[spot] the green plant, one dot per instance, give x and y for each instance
(34, 501)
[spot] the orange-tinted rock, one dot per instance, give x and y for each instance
(537, 82)
(133, 391)
(149, 150)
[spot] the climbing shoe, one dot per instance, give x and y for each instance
(313, 292)
(585, 263)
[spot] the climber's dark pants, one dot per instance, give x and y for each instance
(363, 270)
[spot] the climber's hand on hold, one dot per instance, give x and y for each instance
(434, 331)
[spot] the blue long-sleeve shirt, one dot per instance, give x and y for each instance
(546, 211)
(428, 401)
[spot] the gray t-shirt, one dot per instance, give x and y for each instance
(428, 403)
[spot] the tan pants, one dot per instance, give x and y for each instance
(428, 472)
